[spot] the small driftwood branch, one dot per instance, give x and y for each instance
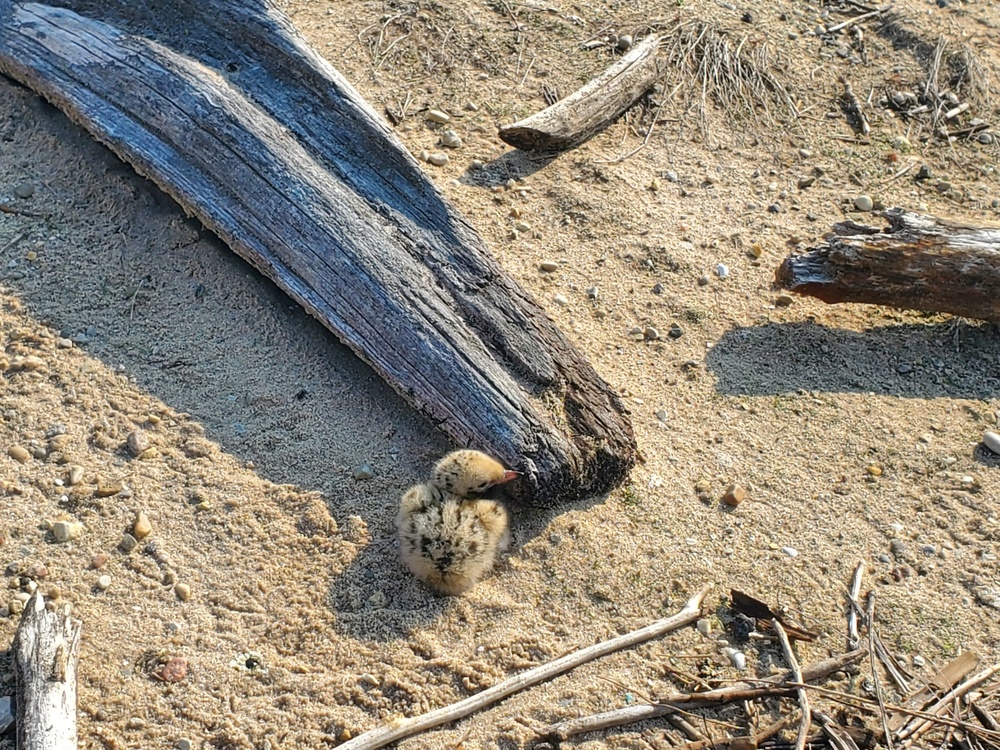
(854, 107)
(384, 735)
(918, 262)
(46, 648)
(754, 739)
(793, 663)
(584, 113)
(742, 692)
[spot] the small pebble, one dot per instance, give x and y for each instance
(735, 494)
(127, 543)
(928, 549)
(651, 334)
(703, 487)
(174, 670)
(593, 292)
(137, 442)
(703, 280)
(65, 531)
(985, 138)
(74, 476)
(183, 744)
(675, 331)
(142, 527)
(522, 226)
(548, 266)
(107, 490)
(992, 441)
(62, 343)
(806, 182)
(863, 203)
(874, 470)
(783, 300)
(737, 658)
(451, 139)
(19, 454)
(662, 415)
(722, 271)
(658, 288)
(104, 582)
(24, 190)
(560, 299)
(924, 173)
(805, 153)
(774, 208)
(135, 723)
(438, 158)
(436, 115)
(918, 661)
(901, 143)
(704, 626)
(364, 472)
(183, 591)
(99, 560)
(790, 551)
(624, 43)
(897, 547)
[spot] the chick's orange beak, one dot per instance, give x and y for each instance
(508, 476)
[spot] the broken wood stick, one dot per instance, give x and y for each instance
(46, 649)
(742, 692)
(384, 735)
(918, 262)
(584, 113)
(233, 115)
(854, 108)
(806, 721)
(916, 727)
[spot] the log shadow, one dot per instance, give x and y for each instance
(511, 165)
(937, 360)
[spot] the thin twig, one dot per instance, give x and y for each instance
(873, 664)
(913, 730)
(767, 733)
(387, 734)
(806, 721)
(778, 686)
(854, 607)
(854, 106)
(850, 21)
(9, 245)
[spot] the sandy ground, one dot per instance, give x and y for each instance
(855, 429)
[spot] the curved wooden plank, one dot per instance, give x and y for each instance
(918, 262)
(225, 107)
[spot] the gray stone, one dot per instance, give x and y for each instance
(992, 441)
(864, 203)
(364, 472)
(24, 190)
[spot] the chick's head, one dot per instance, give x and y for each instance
(470, 473)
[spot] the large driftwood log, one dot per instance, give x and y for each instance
(228, 110)
(46, 648)
(584, 113)
(918, 262)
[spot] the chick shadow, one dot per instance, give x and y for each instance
(938, 360)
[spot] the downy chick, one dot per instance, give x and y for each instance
(448, 537)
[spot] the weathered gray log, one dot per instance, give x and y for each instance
(46, 649)
(228, 110)
(587, 111)
(918, 262)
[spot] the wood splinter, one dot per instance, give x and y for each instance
(854, 108)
